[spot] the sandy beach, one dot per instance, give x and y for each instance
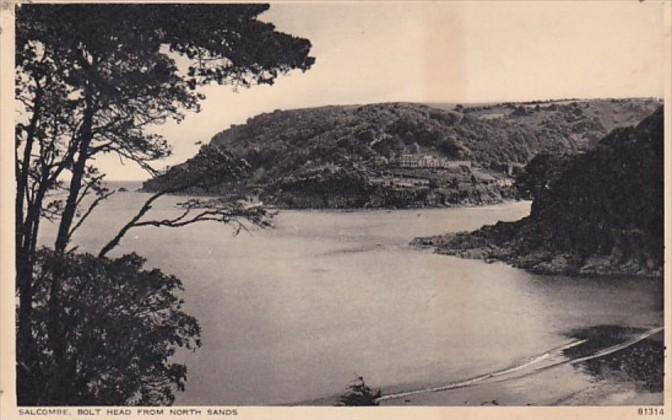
(627, 376)
(609, 366)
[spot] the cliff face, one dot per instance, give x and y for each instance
(302, 158)
(601, 213)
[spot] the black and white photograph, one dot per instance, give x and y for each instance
(334, 204)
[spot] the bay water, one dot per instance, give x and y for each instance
(294, 313)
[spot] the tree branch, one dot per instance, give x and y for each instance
(88, 211)
(215, 210)
(147, 206)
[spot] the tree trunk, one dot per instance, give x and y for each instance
(22, 176)
(75, 183)
(56, 330)
(25, 345)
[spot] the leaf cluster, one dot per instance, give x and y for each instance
(121, 323)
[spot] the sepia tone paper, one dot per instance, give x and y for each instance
(381, 52)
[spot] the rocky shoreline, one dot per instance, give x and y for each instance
(599, 214)
(491, 244)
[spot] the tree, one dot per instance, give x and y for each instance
(91, 79)
(360, 394)
(449, 146)
(122, 323)
(209, 167)
(539, 174)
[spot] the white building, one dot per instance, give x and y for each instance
(428, 161)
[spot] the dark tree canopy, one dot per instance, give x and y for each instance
(225, 43)
(92, 79)
(122, 323)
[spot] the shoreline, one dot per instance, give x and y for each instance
(488, 248)
(274, 207)
(605, 353)
(544, 380)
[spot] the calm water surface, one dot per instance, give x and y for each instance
(294, 313)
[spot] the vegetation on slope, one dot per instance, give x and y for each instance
(602, 213)
(347, 156)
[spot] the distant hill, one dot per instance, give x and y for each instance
(351, 156)
(600, 212)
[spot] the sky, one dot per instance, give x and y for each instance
(456, 52)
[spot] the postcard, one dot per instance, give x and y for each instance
(343, 210)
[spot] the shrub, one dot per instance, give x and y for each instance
(105, 330)
(359, 393)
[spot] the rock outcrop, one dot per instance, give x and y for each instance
(600, 213)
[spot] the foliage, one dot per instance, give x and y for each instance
(597, 213)
(539, 174)
(285, 143)
(119, 323)
(359, 393)
(92, 79)
(210, 166)
(612, 196)
(450, 147)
